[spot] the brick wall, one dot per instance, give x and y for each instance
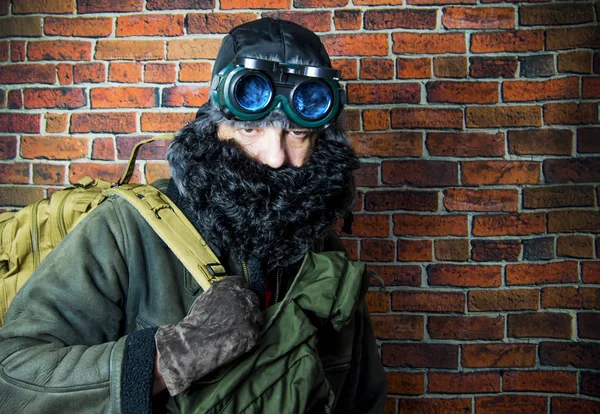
(477, 125)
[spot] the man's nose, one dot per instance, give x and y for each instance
(272, 150)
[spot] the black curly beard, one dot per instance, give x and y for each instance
(254, 211)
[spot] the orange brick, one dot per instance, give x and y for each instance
(43, 6)
(28, 73)
(383, 93)
(195, 72)
(49, 174)
(414, 68)
(406, 383)
(255, 4)
(214, 22)
(376, 68)
(103, 149)
(414, 250)
(500, 172)
(156, 170)
(95, 6)
(387, 144)
(123, 97)
(89, 72)
(14, 173)
(428, 43)
(508, 41)
(320, 3)
(17, 51)
(405, 275)
(64, 72)
(509, 224)
(465, 144)
(358, 44)
(378, 301)
(160, 73)
(347, 19)
(185, 96)
(427, 117)
(56, 122)
(54, 148)
(126, 72)
(525, 274)
(427, 301)
(180, 4)
(465, 328)
(503, 300)
(117, 122)
(68, 98)
(518, 91)
(150, 25)
(503, 116)
(398, 326)
(165, 121)
(348, 68)
(460, 199)
(376, 119)
(462, 92)
(430, 225)
(317, 21)
(371, 225)
(464, 275)
(498, 355)
(193, 48)
(78, 27)
(105, 171)
(59, 50)
(478, 17)
(139, 50)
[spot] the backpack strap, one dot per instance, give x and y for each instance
(134, 152)
(171, 225)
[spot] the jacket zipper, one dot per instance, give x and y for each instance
(278, 285)
(245, 272)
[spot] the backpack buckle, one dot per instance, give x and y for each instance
(217, 271)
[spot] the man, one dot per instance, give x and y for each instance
(111, 317)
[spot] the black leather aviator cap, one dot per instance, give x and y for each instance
(269, 37)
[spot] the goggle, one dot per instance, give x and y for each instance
(249, 89)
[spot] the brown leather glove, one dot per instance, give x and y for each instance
(221, 325)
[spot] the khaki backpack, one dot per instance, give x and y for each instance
(27, 236)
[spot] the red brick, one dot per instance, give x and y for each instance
(503, 300)
(214, 22)
(540, 324)
(59, 50)
(27, 73)
(573, 38)
(464, 275)
(68, 98)
(49, 174)
(420, 355)
(580, 247)
(588, 140)
(387, 144)
(317, 21)
(378, 301)
(570, 113)
(347, 19)
(591, 88)
(350, 119)
(125, 72)
(89, 73)
(590, 271)
(519, 91)
(383, 93)
(427, 301)
(94, 6)
(575, 170)
(465, 328)
(401, 200)
(255, 4)
(4, 51)
(17, 122)
(108, 172)
(400, 18)
(121, 97)
(414, 250)
(367, 175)
(15, 99)
(14, 173)
(156, 170)
(596, 62)
(529, 274)
(376, 119)
(152, 151)
(503, 116)
(358, 44)
(570, 405)
(515, 404)
(540, 381)
(406, 383)
(185, 96)
(496, 250)
(465, 144)
(103, 149)
(462, 92)
(540, 142)
(64, 72)
(507, 41)
(56, 122)
(413, 68)
(427, 117)
(54, 148)
(376, 250)
(195, 72)
(398, 275)
(118, 122)
(463, 383)
(590, 384)
(455, 250)
(159, 73)
(558, 196)
(509, 224)
(377, 68)
(351, 247)
(321, 3)
(450, 66)
(478, 17)
(570, 354)
(430, 225)
(193, 48)
(150, 25)
(78, 27)
(435, 405)
(587, 325)
(438, 2)
(398, 326)
(348, 68)
(420, 173)
(498, 355)
(555, 14)
(500, 172)
(492, 67)
(428, 43)
(179, 4)
(371, 225)
(8, 147)
(165, 121)
(138, 50)
(459, 199)
(571, 297)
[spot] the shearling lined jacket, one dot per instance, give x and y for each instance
(79, 336)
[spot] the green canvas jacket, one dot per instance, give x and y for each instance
(79, 336)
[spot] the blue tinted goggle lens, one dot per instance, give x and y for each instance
(253, 92)
(312, 100)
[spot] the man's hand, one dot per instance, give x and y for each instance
(221, 325)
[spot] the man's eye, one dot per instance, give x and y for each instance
(248, 131)
(298, 133)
